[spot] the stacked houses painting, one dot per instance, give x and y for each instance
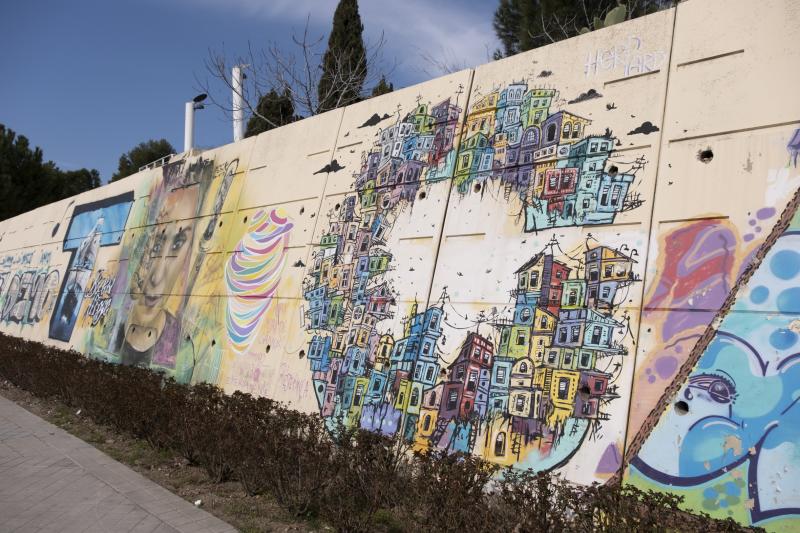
(520, 380)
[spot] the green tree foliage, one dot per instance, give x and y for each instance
(522, 25)
(382, 87)
(344, 65)
(275, 109)
(506, 25)
(27, 181)
(140, 155)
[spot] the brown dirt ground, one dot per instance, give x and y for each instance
(227, 501)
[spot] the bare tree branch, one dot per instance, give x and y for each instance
(446, 62)
(296, 71)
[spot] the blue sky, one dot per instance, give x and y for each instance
(86, 80)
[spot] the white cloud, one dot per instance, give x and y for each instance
(451, 31)
(272, 10)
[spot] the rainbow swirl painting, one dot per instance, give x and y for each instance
(252, 275)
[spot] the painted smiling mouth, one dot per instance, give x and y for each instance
(151, 301)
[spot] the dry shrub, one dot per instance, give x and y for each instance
(355, 480)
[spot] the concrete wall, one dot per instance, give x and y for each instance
(580, 259)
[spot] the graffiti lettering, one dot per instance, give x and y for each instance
(625, 55)
(99, 292)
(29, 295)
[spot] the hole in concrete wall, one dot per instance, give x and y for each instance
(705, 156)
(302, 210)
(477, 187)
(422, 195)
(220, 223)
(613, 170)
(584, 392)
(681, 407)
(302, 353)
(149, 333)
(213, 342)
(336, 207)
(133, 329)
(268, 348)
(245, 219)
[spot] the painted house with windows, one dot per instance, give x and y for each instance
(469, 378)
(535, 106)
(607, 271)
(481, 118)
(499, 385)
(543, 368)
(445, 116)
(524, 397)
(474, 161)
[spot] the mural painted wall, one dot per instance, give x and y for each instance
(735, 421)
(522, 382)
(581, 259)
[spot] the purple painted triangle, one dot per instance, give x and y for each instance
(610, 461)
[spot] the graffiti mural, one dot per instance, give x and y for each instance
(92, 225)
(539, 261)
(734, 423)
(252, 276)
(535, 383)
(28, 287)
(148, 321)
(99, 296)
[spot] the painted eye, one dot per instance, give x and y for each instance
(688, 393)
(720, 391)
(178, 242)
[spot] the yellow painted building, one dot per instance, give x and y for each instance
(359, 392)
(482, 115)
(382, 353)
(563, 388)
(403, 395)
(544, 325)
(497, 444)
(573, 128)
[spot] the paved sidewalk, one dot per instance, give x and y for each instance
(52, 481)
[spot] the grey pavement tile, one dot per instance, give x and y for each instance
(148, 525)
(164, 528)
(51, 481)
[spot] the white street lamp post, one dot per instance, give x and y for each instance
(188, 122)
(237, 78)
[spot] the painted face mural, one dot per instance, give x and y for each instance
(152, 327)
(145, 316)
(529, 380)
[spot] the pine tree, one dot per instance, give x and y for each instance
(344, 66)
(278, 109)
(27, 181)
(382, 87)
(506, 26)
